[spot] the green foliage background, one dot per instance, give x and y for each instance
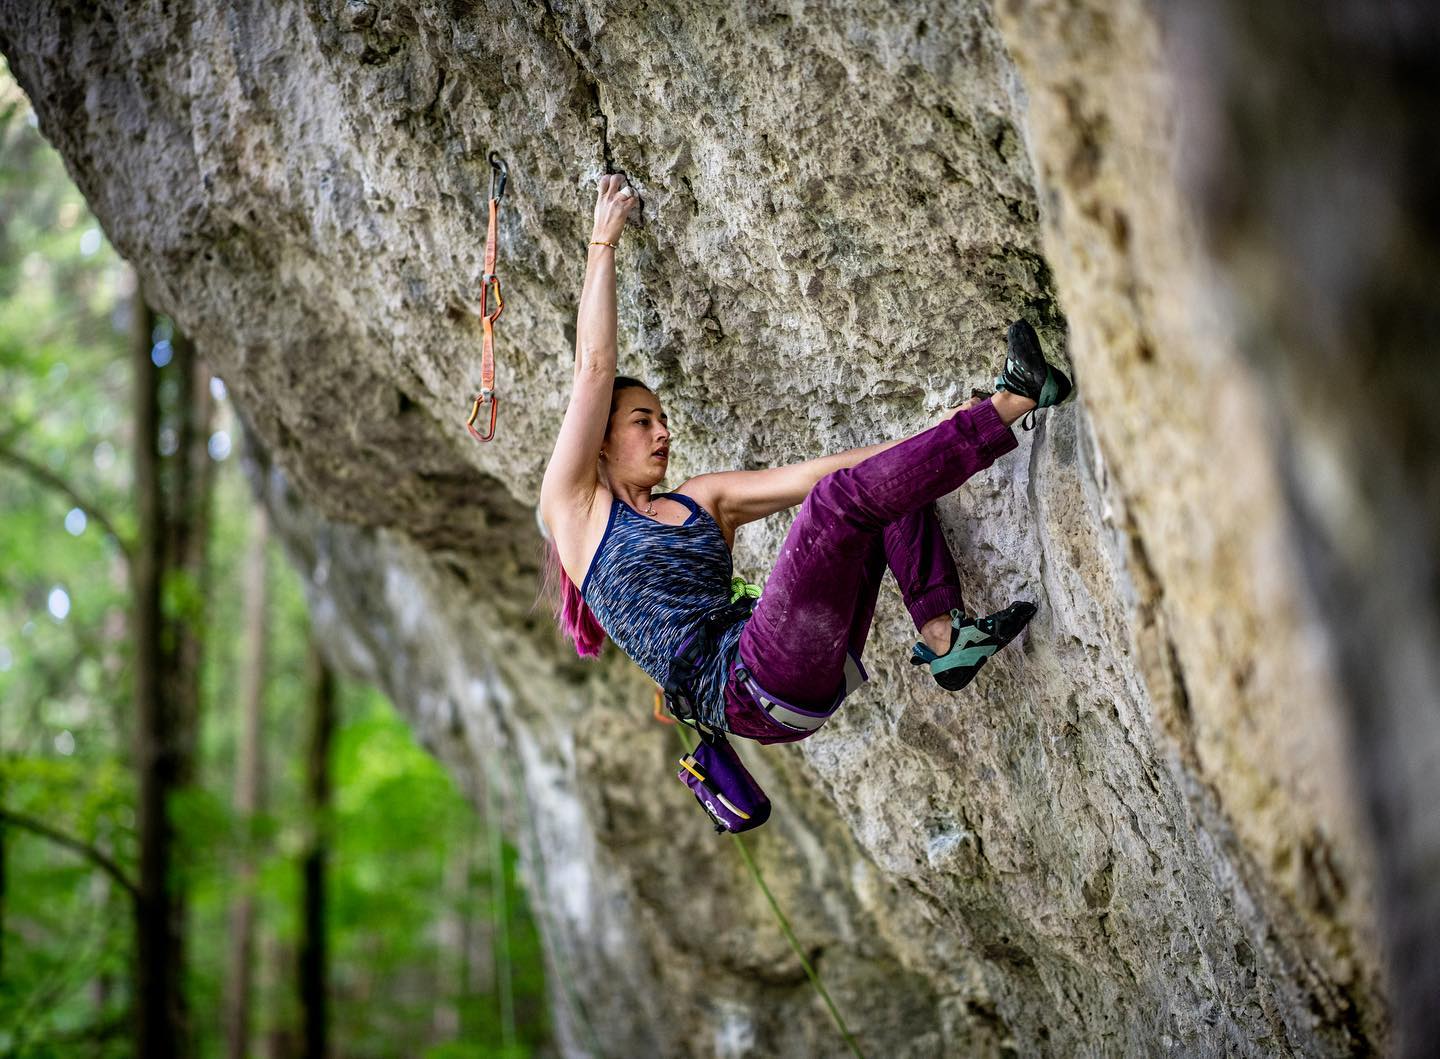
(409, 861)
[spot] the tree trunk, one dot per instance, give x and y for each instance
(187, 544)
(249, 782)
(279, 1034)
(313, 972)
(159, 1006)
(169, 578)
(103, 983)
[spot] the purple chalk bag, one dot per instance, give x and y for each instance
(721, 784)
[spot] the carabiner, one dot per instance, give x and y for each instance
(497, 166)
(489, 280)
(480, 398)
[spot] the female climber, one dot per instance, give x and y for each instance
(653, 567)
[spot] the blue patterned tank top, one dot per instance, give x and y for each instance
(651, 583)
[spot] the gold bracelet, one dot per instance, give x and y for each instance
(602, 242)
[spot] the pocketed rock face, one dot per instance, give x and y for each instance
(1137, 832)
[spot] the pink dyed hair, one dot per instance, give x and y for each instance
(575, 619)
(572, 615)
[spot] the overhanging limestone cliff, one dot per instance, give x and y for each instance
(1136, 834)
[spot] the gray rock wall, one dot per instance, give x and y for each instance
(1141, 830)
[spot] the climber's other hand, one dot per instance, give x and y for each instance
(611, 207)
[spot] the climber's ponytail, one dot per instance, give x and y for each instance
(572, 615)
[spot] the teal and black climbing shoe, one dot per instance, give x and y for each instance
(1028, 374)
(972, 641)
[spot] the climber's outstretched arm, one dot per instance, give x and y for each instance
(571, 476)
(738, 497)
(748, 496)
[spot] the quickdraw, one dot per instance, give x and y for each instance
(487, 280)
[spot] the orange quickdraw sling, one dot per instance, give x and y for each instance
(489, 279)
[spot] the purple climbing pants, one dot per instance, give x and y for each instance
(818, 602)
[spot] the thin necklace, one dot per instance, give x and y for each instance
(650, 505)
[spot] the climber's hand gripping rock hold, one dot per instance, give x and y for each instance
(655, 567)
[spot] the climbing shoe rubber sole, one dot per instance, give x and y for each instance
(1027, 372)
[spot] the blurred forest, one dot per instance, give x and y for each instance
(318, 887)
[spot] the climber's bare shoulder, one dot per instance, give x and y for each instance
(735, 498)
(701, 490)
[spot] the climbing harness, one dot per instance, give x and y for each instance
(695, 650)
(487, 280)
(787, 714)
(739, 589)
(714, 773)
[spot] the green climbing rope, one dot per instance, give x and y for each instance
(740, 587)
(813, 975)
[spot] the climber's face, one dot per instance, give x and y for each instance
(637, 445)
